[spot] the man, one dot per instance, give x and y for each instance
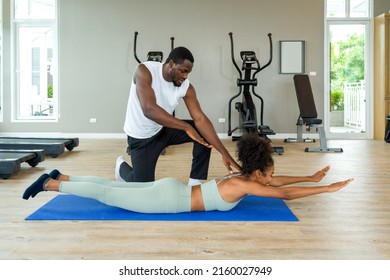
(150, 125)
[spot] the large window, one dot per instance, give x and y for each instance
(348, 78)
(35, 60)
(1, 60)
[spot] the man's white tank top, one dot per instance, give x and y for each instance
(167, 97)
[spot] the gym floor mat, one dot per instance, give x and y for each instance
(251, 208)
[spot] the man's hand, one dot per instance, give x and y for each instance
(196, 137)
(229, 162)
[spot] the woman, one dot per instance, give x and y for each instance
(169, 195)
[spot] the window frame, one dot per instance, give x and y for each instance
(16, 25)
(347, 12)
(1, 62)
(368, 23)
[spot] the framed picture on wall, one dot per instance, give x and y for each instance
(292, 56)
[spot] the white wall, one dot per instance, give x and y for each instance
(97, 63)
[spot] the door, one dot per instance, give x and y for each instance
(348, 80)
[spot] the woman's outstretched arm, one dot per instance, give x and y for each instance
(289, 193)
(280, 181)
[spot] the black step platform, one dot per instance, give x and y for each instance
(10, 160)
(51, 146)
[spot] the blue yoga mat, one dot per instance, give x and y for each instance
(251, 208)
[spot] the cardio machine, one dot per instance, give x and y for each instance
(247, 81)
(152, 56)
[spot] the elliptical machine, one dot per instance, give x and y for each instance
(247, 80)
(152, 56)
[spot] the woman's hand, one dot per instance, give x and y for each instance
(316, 177)
(339, 185)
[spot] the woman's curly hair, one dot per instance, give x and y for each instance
(254, 153)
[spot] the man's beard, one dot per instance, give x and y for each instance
(173, 80)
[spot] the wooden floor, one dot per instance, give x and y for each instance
(353, 224)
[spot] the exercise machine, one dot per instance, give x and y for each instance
(308, 116)
(51, 146)
(247, 81)
(152, 56)
(10, 160)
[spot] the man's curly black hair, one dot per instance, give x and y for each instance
(254, 153)
(179, 54)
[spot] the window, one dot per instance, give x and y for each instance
(348, 8)
(348, 60)
(359, 8)
(35, 60)
(1, 61)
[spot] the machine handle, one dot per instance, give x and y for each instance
(135, 46)
(270, 54)
(232, 55)
(172, 45)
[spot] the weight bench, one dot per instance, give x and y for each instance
(10, 160)
(308, 116)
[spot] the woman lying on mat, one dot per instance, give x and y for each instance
(170, 195)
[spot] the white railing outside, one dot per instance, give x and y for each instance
(354, 105)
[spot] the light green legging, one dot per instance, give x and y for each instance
(166, 195)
